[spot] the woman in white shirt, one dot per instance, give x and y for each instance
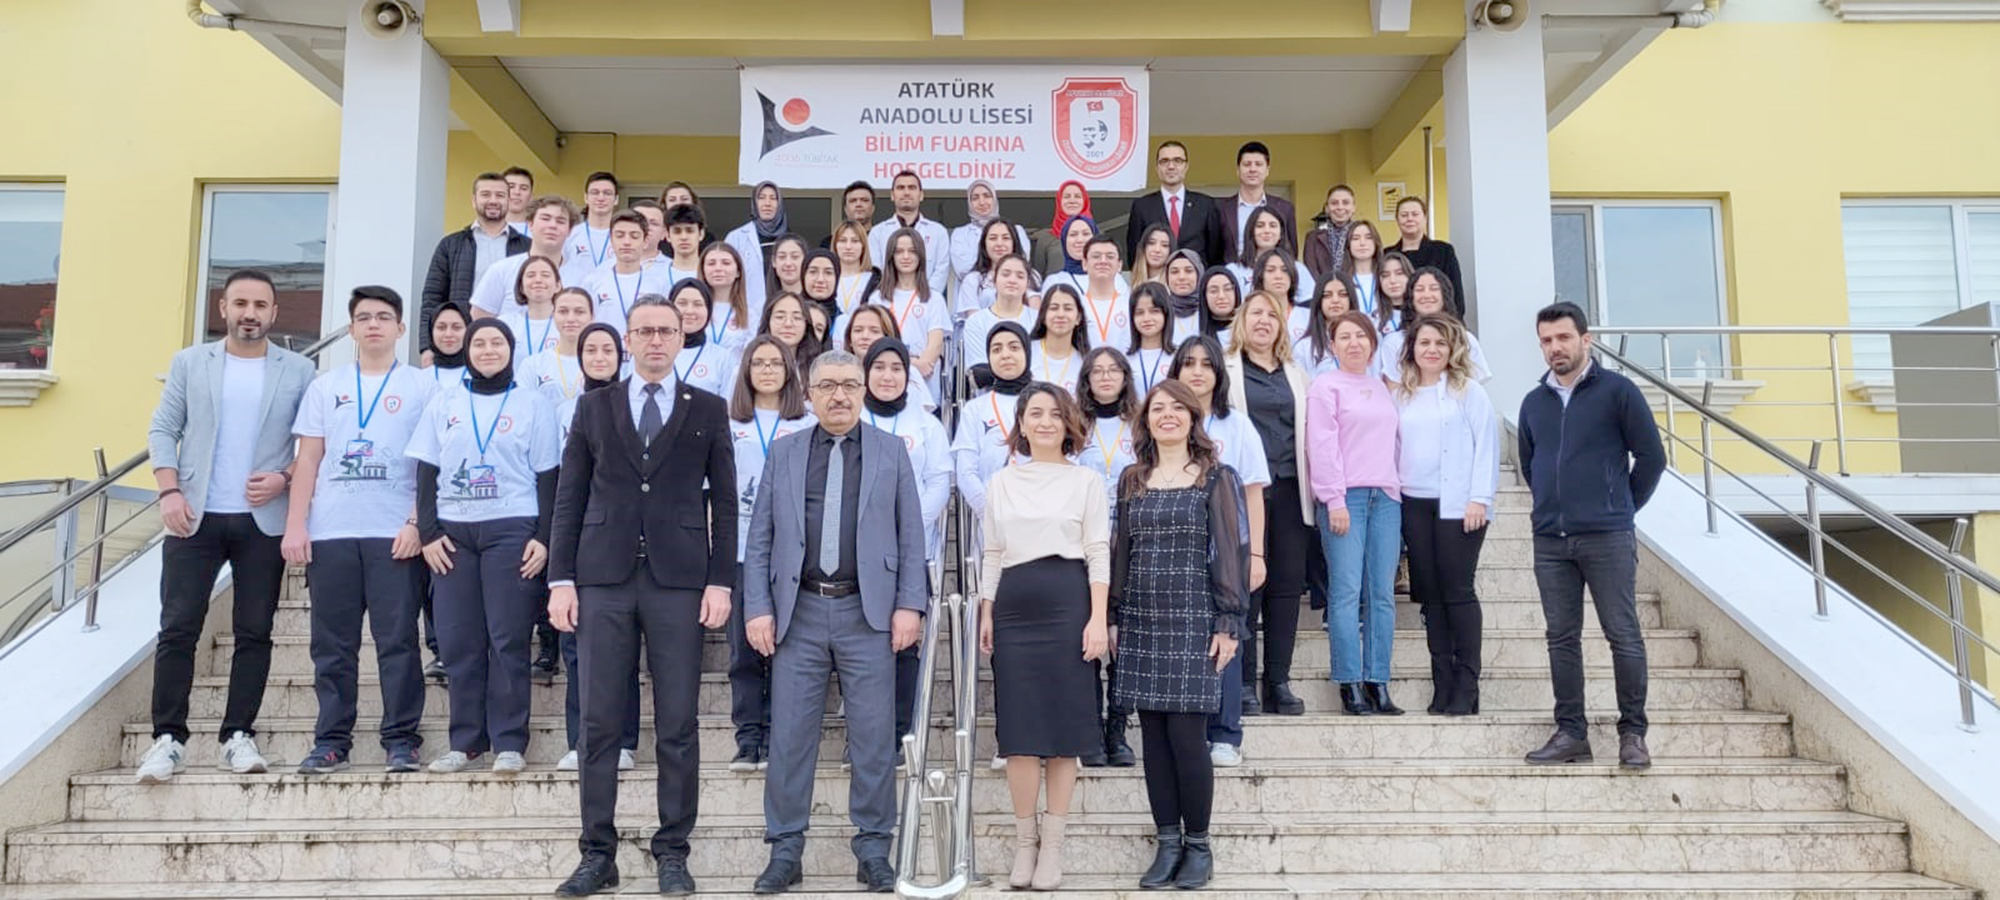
(787, 266)
(1278, 275)
(982, 209)
(985, 422)
(533, 317)
(556, 372)
(871, 323)
(704, 362)
(1221, 296)
(819, 278)
(754, 240)
(722, 273)
(999, 240)
(448, 327)
(1044, 581)
(1156, 246)
(1059, 339)
(1364, 246)
(787, 318)
(1109, 406)
(1392, 290)
(1012, 278)
(857, 274)
(1430, 295)
(1448, 460)
(1267, 233)
(906, 291)
(1154, 330)
(766, 402)
(1315, 349)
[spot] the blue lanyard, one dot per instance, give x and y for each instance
(596, 254)
(715, 332)
(528, 330)
(637, 289)
(362, 417)
(893, 420)
(763, 443)
(1149, 373)
(683, 373)
(487, 441)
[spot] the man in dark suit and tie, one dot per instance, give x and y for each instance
(1190, 216)
(834, 581)
(637, 550)
(1253, 166)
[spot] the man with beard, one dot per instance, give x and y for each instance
(464, 255)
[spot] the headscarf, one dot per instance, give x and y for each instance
(770, 229)
(831, 302)
(1209, 323)
(439, 358)
(886, 344)
(497, 382)
(1071, 264)
(589, 383)
(1011, 386)
(1190, 304)
(698, 337)
(1056, 224)
(975, 219)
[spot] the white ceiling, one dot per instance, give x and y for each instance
(1191, 95)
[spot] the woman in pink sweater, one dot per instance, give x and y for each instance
(1351, 423)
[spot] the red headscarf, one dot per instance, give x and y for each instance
(1056, 224)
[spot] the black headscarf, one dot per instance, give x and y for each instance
(1210, 324)
(589, 383)
(1190, 304)
(440, 358)
(497, 382)
(1011, 386)
(831, 302)
(770, 229)
(692, 339)
(886, 344)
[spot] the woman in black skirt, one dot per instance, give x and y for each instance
(1043, 583)
(1179, 585)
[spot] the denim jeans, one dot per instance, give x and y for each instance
(1607, 563)
(1361, 612)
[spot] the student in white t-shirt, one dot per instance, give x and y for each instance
(549, 219)
(590, 241)
(734, 318)
(1280, 276)
(979, 446)
(600, 355)
(352, 523)
(1430, 295)
(447, 368)
(1314, 349)
(1102, 295)
(1059, 339)
(704, 361)
(860, 330)
(785, 272)
(1267, 233)
(985, 246)
(558, 372)
(922, 315)
(1155, 334)
(1109, 403)
(767, 401)
(685, 226)
(532, 317)
(858, 275)
(613, 289)
(1183, 280)
(487, 458)
(1011, 277)
(1221, 299)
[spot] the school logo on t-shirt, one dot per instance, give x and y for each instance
(909, 442)
(1094, 129)
(392, 404)
(504, 425)
(359, 462)
(474, 482)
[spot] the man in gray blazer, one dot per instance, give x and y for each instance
(221, 444)
(834, 581)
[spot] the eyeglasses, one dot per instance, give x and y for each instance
(1105, 370)
(849, 386)
(766, 364)
(654, 334)
(1173, 160)
(366, 318)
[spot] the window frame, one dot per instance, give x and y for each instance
(1961, 209)
(331, 189)
(1592, 208)
(60, 188)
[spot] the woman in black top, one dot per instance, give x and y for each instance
(1413, 218)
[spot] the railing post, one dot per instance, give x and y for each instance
(1673, 440)
(1708, 458)
(62, 588)
(1961, 657)
(1839, 407)
(1817, 539)
(103, 514)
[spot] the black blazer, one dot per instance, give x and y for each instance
(1201, 226)
(612, 491)
(1226, 208)
(450, 275)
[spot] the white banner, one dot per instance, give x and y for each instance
(1019, 127)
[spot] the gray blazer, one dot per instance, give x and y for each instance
(888, 545)
(183, 434)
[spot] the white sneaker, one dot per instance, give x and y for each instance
(162, 760)
(626, 761)
(999, 763)
(239, 755)
(508, 764)
(454, 761)
(1224, 756)
(567, 763)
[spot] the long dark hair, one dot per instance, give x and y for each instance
(1218, 401)
(1291, 274)
(1451, 304)
(1162, 300)
(810, 345)
(1210, 325)
(986, 263)
(1128, 397)
(1321, 327)
(791, 394)
(1247, 256)
(1146, 450)
(771, 265)
(890, 276)
(1079, 336)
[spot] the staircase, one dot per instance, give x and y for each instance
(1324, 806)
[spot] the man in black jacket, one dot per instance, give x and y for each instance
(1253, 166)
(463, 255)
(1190, 216)
(637, 550)
(1591, 455)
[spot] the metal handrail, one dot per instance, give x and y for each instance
(1955, 564)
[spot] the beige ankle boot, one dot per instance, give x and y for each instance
(1048, 864)
(1024, 852)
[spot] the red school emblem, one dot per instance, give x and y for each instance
(1094, 127)
(392, 404)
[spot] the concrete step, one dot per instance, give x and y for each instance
(731, 846)
(1227, 886)
(1524, 688)
(1271, 787)
(1499, 736)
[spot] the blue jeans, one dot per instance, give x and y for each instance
(1361, 613)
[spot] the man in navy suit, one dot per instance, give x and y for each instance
(1191, 217)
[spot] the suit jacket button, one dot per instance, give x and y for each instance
(645, 489)
(643, 457)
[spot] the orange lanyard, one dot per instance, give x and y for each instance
(998, 421)
(1045, 364)
(1110, 450)
(1103, 322)
(902, 321)
(562, 375)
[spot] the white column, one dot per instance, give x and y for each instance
(1497, 177)
(395, 116)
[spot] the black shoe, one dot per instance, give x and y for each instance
(1166, 859)
(1561, 750)
(548, 662)
(1464, 697)
(1250, 705)
(876, 874)
(780, 876)
(746, 758)
(1354, 702)
(1095, 759)
(1197, 862)
(1378, 697)
(596, 872)
(1632, 753)
(1278, 698)
(1116, 751)
(1442, 686)
(674, 878)
(435, 671)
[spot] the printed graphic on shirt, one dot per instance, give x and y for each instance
(472, 482)
(359, 463)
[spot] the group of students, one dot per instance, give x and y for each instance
(1162, 460)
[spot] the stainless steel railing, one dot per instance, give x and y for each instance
(1957, 568)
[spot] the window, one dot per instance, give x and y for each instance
(1647, 263)
(1911, 261)
(284, 230)
(30, 254)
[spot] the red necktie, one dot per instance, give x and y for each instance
(1174, 216)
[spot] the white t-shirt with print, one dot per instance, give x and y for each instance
(924, 439)
(753, 441)
(366, 486)
(519, 430)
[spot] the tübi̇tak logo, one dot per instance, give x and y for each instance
(782, 127)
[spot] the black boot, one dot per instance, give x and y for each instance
(1197, 863)
(1279, 699)
(1378, 697)
(1442, 686)
(546, 664)
(1467, 625)
(1464, 696)
(1355, 703)
(1116, 751)
(1166, 859)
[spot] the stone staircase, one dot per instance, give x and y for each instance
(1325, 805)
